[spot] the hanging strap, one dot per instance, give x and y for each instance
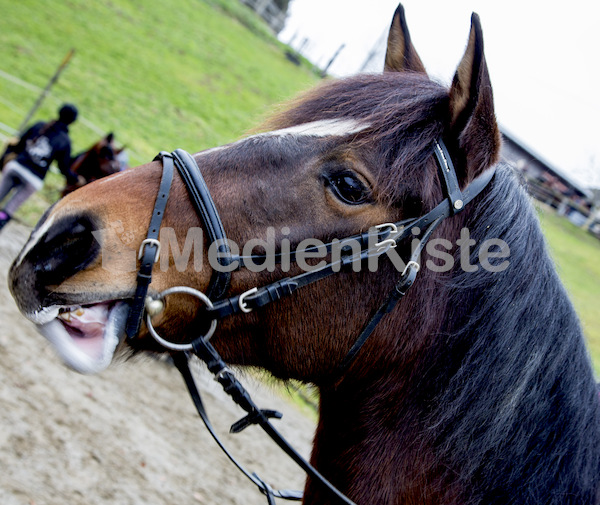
(241, 397)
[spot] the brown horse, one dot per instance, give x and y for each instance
(99, 161)
(475, 389)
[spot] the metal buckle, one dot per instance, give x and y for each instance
(385, 245)
(242, 300)
(149, 241)
(413, 264)
(393, 228)
(388, 243)
(221, 373)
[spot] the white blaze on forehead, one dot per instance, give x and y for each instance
(323, 128)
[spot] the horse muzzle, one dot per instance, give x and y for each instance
(85, 328)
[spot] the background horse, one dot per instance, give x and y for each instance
(98, 161)
(476, 389)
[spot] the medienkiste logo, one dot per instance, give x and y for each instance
(276, 252)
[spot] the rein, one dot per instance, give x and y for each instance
(373, 243)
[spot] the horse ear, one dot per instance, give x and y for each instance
(472, 118)
(401, 55)
(110, 137)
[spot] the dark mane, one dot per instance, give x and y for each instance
(513, 376)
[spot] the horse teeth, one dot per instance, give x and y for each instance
(69, 314)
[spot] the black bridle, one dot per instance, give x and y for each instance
(375, 242)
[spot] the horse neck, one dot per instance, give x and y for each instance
(370, 447)
(369, 440)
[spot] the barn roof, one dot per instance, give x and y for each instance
(567, 179)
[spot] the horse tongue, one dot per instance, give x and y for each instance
(90, 321)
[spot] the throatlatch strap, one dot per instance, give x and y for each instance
(150, 248)
(407, 279)
(275, 291)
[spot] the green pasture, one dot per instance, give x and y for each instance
(577, 257)
(189, 74)
(160, 75)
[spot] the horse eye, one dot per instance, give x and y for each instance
(349, 189)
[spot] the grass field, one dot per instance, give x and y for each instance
(577, 257)
(161, 75)
(190, 74)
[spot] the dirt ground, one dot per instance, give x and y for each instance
(128, 436)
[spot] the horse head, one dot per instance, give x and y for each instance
(99, 161)
(347, 156)
(106, 152)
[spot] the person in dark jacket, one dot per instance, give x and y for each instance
(39, 146)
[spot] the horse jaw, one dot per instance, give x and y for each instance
(86, 338)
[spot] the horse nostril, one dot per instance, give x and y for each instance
(66, 248)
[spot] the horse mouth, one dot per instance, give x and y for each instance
(87, 336)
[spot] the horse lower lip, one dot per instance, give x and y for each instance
(86, 337)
